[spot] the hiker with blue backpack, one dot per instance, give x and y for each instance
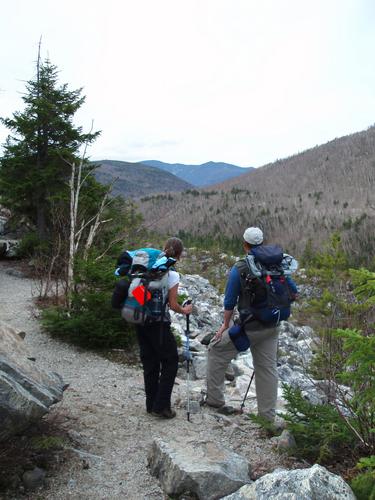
(261, 287)
(148, 290)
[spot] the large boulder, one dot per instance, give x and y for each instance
(200, 467)
(8, 247)
(26, 391)
(300, 484)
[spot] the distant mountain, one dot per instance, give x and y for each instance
(135, 179)
(201, 175)
(298, 201)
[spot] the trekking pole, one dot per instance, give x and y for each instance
(187, 333)
(247, 391)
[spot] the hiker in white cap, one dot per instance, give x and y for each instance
(257, 323)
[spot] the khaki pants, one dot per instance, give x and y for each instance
(263, 345)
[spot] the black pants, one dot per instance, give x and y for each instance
(160, 362)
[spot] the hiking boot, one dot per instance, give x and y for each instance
(222, 409)
(165, 413)
(203, 401)
(228, 410)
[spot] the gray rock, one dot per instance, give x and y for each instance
(206, 339)
(200, 467)
(8, 248)
(287, 329)
(15, 272)
(196, 346)
(26, 391)
(200, 366)
(285, 441)
(237, 369)
(306, 331)
(32, 479)
(229, 373)
(300, 484)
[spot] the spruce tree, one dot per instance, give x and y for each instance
(34, 169)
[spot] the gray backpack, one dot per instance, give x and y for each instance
(148, 289)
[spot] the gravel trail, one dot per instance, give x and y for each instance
(103, 409)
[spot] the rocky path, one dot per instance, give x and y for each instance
(103, 412)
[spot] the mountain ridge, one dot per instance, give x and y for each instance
(136, 179)
(200, 175)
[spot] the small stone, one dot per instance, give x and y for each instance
(85, 464)
(207, 338)
(286, 440)
(32, 479)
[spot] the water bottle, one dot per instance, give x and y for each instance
(156, 303)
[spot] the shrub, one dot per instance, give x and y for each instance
(319, 431)
(326, 433)
(359, 374)
(91, 321)
(363, 485)
(31, 245)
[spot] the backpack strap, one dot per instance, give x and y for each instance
(244, 299)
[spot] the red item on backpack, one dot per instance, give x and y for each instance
(139, 294)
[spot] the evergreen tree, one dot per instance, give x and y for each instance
(34, 171)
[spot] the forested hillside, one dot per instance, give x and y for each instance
(298, 201)
(136, 179)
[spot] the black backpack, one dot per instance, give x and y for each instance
(265, 285)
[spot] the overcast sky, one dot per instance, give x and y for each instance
(189, 81)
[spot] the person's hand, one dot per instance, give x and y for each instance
(219, 333)
(187, 309)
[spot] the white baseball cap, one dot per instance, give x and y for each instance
(253, 236)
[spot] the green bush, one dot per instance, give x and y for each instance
(359, 374)
(31, 245)
(91, 322)
(319, 431)
(344, 317)
(363, 485)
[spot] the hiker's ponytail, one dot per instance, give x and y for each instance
(173, 248)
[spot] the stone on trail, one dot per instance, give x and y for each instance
(26, 391)
(33, 479)
(200, 367)
(300, 484)
(285, 441)
(199, 467)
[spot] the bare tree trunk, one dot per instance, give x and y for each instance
(75, 184)
(72, 233)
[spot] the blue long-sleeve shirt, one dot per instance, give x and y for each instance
(233, 288)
